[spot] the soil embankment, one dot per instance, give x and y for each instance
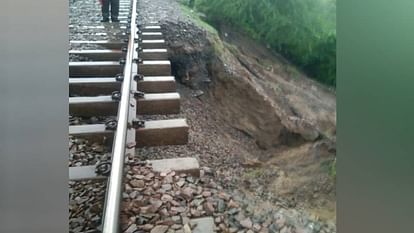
(267, 131)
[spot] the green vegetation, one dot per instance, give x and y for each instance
(214, 36)
(333, 169)
(253, 173)
(329, 166)
(304, 31)
(197, 19)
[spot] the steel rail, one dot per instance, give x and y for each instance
(114, 192)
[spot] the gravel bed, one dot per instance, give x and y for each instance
(166, 202)
(83, 153)
(86, 200)
(88, 13)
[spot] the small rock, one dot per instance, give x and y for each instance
(273, 228)
(233, 211)
(190, 179)
(198, 93)
(264, 230)
(147, 227)
(187, 228)
(186, 220)
(209, 208)
(285, 230)
(256, 227)
(220, 206)
(131, 229)
(195, 213)
(206, 194)
(168, 179)
(176, 218)
(156, 203)
(180, 183)
(246, 223)
(139, 177)
(224, 196)
(166, 187)
(232, 204)
(133, 195)
(159, 229)
(137, 183)
(178, 209)
(176, 226)
(166, 198)
(187, 193)
(217, 220)
(233, 229)
(164, 212)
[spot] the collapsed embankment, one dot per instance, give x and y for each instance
(291, 117)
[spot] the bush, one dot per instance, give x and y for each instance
(304, 31)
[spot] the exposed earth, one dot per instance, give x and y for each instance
(266, 128)
(262, 131)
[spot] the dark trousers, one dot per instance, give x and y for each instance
(114, 9)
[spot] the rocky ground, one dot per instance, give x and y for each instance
(265, 128)
(166, 203)
(244, 186)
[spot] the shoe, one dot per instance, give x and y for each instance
(115, 20)
(104, 20)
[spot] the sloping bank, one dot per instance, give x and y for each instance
(290, 116)
(258, 92)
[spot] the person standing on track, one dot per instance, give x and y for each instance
(114, 10)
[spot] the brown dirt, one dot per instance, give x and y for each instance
(288, 119)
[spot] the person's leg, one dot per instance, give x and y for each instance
(105, 10)
(114, 10)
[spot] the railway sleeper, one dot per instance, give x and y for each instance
(112, 68)
(95, 68)
(153, 133)
(155, 67)
(151, 35)
(95, 27)
(100, 55)
(154, 54)
(186, 165)
(153, 44)
(87, 86)
(104, 43)
(151, 28)
(149, 104)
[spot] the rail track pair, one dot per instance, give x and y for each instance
(124, 78)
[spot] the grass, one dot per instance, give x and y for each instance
(329, 166)
(196, 19)
(332, 169)
(217, 44)
(303, 31)
(253, 173)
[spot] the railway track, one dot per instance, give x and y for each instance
(121, 81)
(122, 96)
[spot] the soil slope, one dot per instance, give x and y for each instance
(267, 130)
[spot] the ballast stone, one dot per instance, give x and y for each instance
(179, 165)
(203, 225)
